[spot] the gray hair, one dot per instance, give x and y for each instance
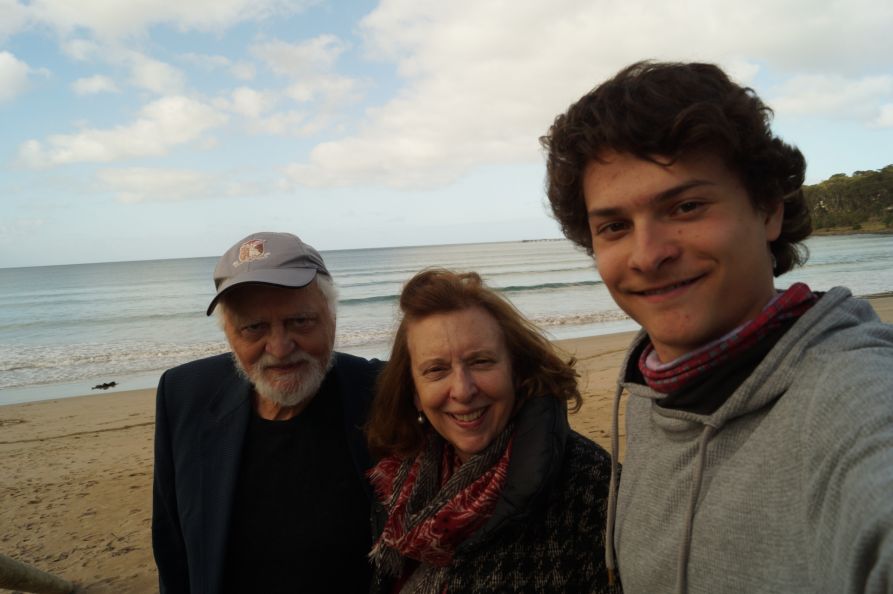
(325, 284)
(330, 292)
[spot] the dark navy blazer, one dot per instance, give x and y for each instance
(202, 412)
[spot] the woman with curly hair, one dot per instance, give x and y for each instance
(483, 486)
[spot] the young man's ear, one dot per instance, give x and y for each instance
(774, 217)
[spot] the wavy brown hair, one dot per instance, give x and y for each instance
(538, 370)
(657, 111)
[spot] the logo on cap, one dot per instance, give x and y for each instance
(251, 250)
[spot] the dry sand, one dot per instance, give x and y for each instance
(76, 473)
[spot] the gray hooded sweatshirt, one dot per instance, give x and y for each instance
(786, 488)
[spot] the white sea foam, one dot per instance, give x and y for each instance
(100, 322)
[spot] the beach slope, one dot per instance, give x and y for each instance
(76, 473)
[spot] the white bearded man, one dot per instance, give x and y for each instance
(260, 462)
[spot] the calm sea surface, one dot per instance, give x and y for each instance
(64, 329)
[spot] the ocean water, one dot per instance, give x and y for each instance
(64, 329)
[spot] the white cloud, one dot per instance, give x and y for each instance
(310, 66)
(288, 123)
(483, 80)
(240, 69)
(15, 17)
(251, 103)
(154, 75)
(257, 108)
(13, 76)
(885, 118)
(206, 61)
(332, 89)
(80, 49)
(145, 72)
(109, 20)
(161, 125)
(296, 60)
(155, 184)
(140, 184)
(94, 84)
(833, 95)
(243, 70)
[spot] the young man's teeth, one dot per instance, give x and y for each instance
(470, 416)
(666, 289)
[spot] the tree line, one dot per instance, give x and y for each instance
(861, 200)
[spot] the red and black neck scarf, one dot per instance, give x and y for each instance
(675, 375)
(434, 504)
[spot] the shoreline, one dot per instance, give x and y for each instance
(869, 230)
(148, 380)
(76, 495)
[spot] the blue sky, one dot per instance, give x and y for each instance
(169, 128)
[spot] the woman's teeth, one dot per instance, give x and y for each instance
(470, 416)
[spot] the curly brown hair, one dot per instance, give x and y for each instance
(538, 370)
(658, 111)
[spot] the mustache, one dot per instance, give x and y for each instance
(268, 360)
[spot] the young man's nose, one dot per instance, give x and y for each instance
(653, 246)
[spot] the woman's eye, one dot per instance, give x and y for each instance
(434, 370)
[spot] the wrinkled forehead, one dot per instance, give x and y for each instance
(253, 299)
(467, 330)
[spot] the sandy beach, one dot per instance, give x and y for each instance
(75, 492)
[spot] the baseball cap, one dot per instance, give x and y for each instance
(279, 259)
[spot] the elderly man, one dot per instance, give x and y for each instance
(760, 422)
(259, 456)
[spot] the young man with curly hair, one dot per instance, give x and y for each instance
(760, 421)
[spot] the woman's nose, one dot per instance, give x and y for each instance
(463, 388)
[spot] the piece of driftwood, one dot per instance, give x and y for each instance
(16, 575)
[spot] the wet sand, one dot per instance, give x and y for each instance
(76, 473)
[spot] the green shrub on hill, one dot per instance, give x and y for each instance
(852, 200)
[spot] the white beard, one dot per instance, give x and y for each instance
(288, 390)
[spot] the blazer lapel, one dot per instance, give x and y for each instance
(221, 453)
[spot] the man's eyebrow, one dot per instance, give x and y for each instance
(668, 194)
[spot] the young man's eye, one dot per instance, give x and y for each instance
(688, 206)
(611, 228)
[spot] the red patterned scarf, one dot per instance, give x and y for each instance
(434, 507)
(675, 375)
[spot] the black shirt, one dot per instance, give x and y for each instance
(300, 518)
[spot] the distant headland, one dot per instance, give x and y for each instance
(857, 203)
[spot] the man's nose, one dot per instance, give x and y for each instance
(653, 246)
(463, 388)
(280, 343)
